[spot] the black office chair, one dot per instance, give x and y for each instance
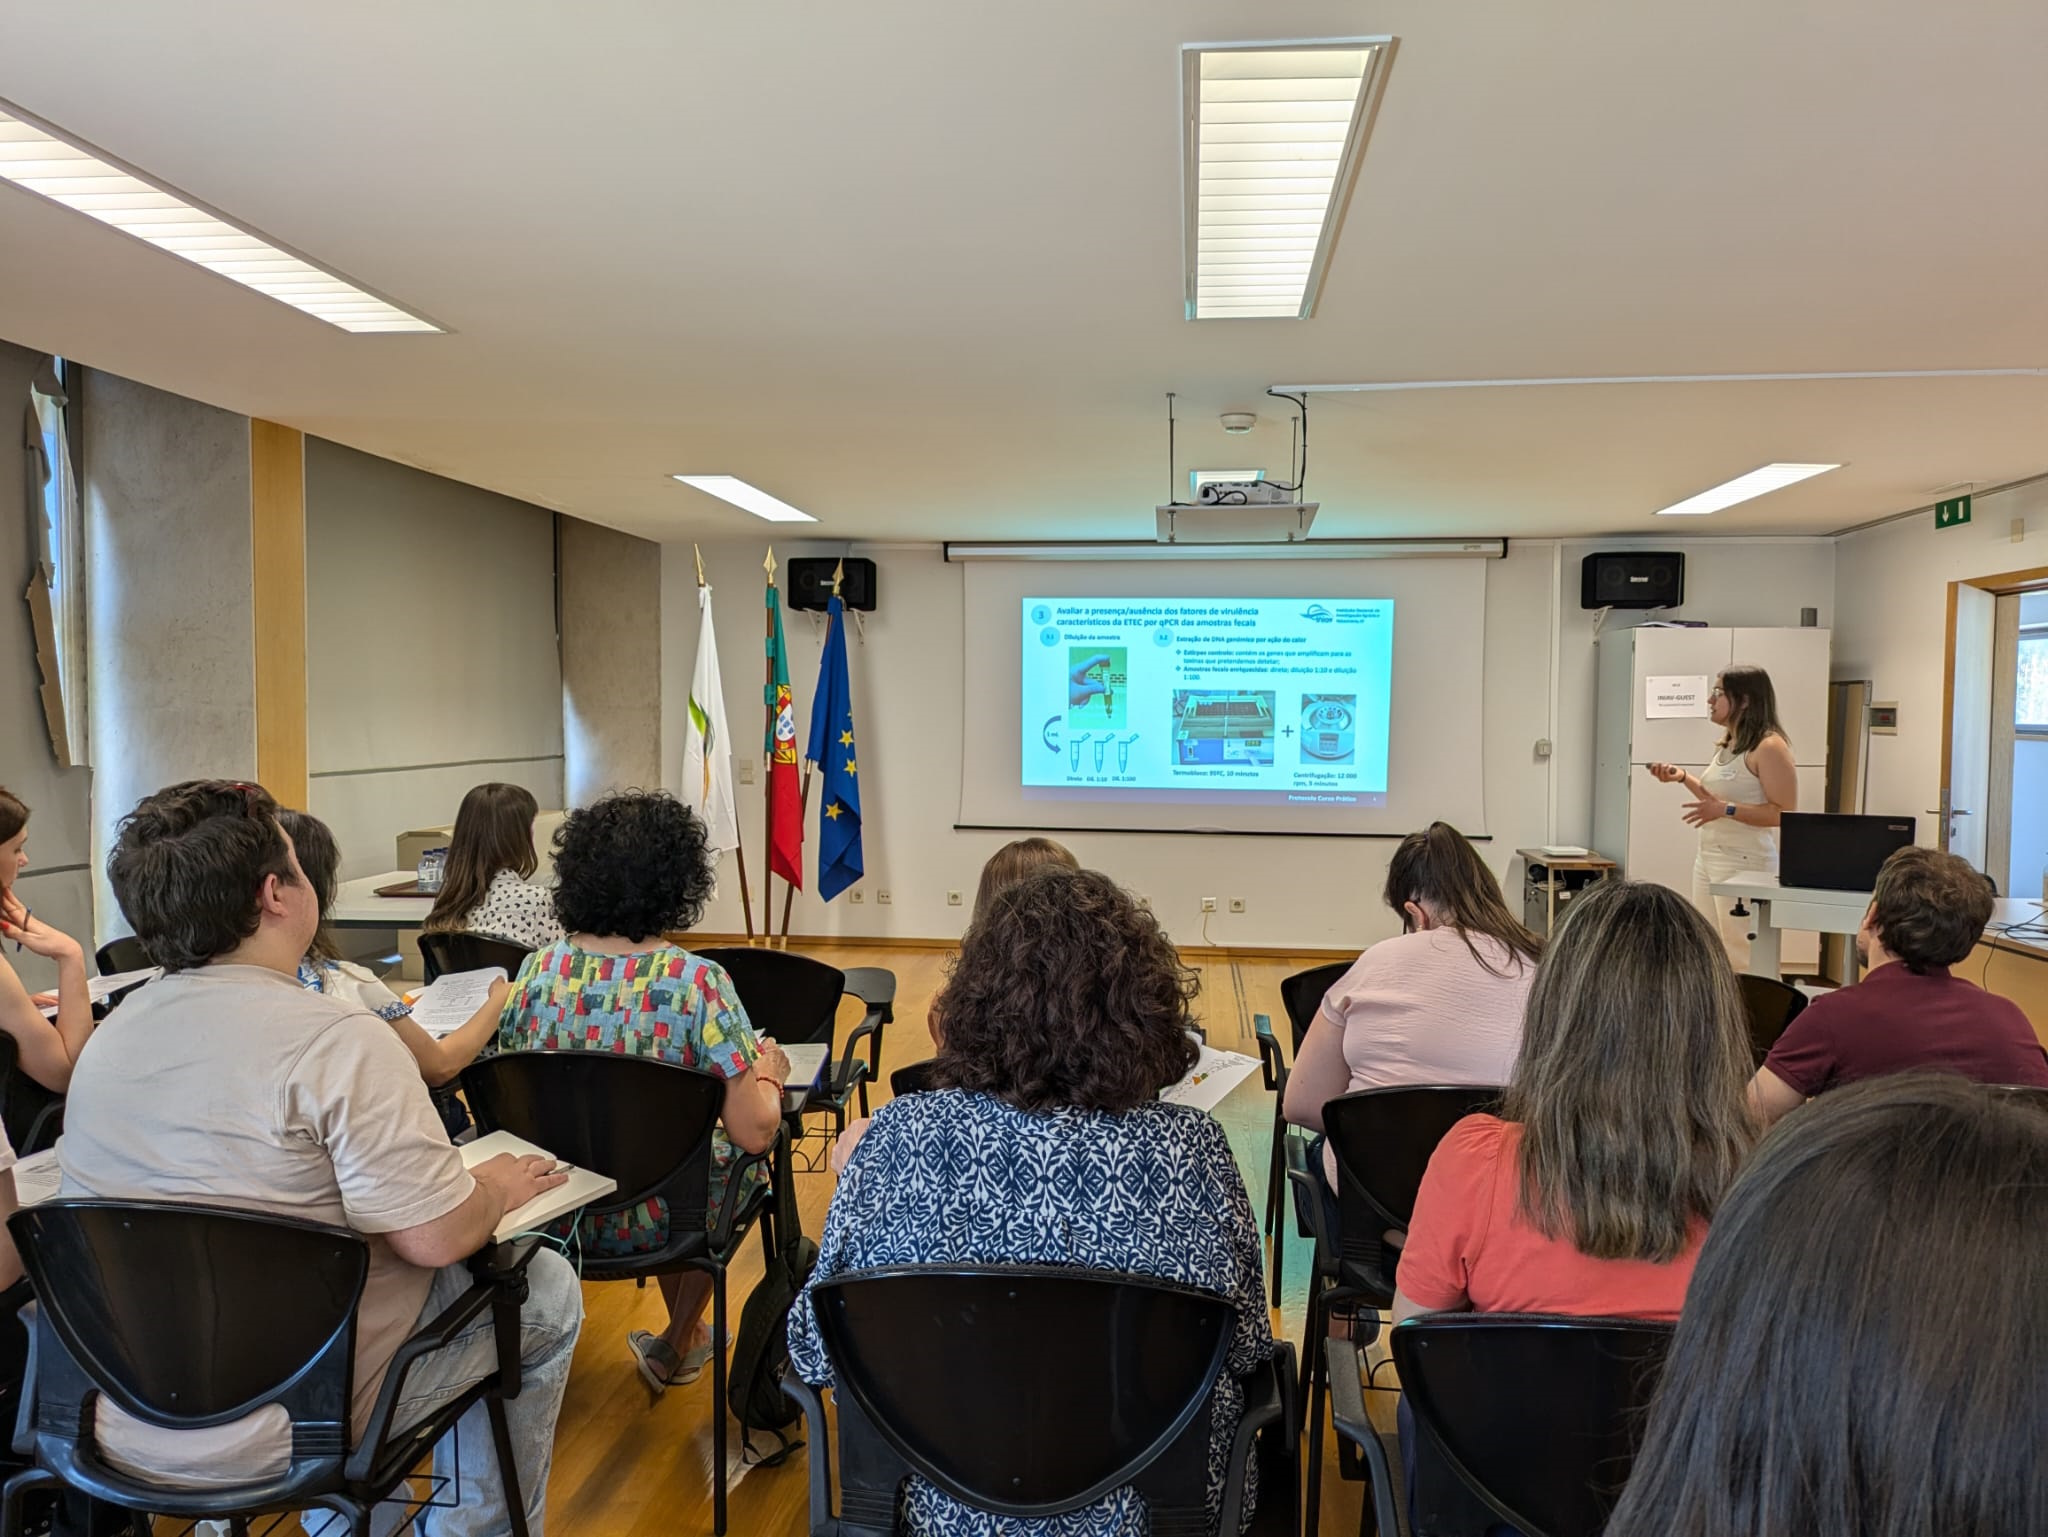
(875, 987)
(1026, 1433)
(119, 955)
(912, 1078)
(2031, 1093)
(1382, 1139)
(796, 999)
(647, 1125)
(1301, 995)
(1538, 1416)
(188, 1316)
(444, 951)
(32, 1113)
(1771, 1005)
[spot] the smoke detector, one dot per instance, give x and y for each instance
(1238, 421)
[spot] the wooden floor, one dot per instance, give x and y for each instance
(627, 1468)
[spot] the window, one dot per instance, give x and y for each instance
(2030, 682)
(56, 592)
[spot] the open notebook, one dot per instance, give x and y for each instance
(583, 1187)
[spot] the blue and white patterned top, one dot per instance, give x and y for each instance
(957, 1178)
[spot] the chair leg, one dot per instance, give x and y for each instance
(1312, 1515)
(1279, 1255)
(718, 1401)
(863, 1092)
(508, 1470)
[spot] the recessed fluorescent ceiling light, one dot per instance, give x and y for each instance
(1200, 478)
(751, 498)
(1271, 141)
(33, 157)
(1772, 477)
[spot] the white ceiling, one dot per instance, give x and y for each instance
(915, 265)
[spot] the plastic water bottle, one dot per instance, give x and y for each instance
(433, 871)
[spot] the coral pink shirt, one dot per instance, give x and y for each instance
(1470, 1246)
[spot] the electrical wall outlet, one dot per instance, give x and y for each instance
(1237, 904)
(1208, 904)
(883, 897)
(746, 770)
(952, 899)
(856, 895)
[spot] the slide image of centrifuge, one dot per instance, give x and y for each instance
(1327, 722)
(1222, 726)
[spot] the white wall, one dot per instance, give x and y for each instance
(431, 662)
(611, 660)
(908, 673)
(1892, 622)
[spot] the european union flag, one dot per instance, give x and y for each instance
(833, 750)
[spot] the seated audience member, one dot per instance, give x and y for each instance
(1441, 1002)
(1926, 915)
(1623, 1123)
(46, 1049)
(1014, 861)
(486, 887)
(229, 1084)
(1862, 1352)
(1044, 1142)
(630, 870)
(324, 971)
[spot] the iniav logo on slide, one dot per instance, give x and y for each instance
(1318, 613)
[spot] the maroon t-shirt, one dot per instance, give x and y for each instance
(1899, 1021)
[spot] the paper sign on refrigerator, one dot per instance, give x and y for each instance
(1676, 698)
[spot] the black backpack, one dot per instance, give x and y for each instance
(760, 1352)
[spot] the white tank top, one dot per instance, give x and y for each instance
(1728, 778)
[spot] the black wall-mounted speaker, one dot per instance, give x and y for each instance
(810, 583)
(1632, 579)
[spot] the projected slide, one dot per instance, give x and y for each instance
(1274, 700)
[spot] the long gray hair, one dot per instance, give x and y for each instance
(1632, 1083)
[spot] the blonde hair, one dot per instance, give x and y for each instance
(1013, 862)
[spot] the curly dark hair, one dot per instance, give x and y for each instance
(189, 863)
(1065, 994)
(1930, 908)
(632, 866)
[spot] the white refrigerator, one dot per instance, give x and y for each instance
(1636, 819)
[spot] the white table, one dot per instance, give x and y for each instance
(357, 905)
(1774, 908)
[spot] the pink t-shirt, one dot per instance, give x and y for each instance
(1419, 1009)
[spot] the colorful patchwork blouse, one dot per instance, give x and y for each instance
(663, 1003)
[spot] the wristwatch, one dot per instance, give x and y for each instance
(1729, 810)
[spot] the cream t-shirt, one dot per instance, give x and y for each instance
(235, 1086)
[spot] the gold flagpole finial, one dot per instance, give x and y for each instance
(838, 576)
(768, 565)
(698, 550)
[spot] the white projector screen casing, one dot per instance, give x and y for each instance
(1434, 746)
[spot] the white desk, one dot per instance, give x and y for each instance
(357, 905)
(1774, 908)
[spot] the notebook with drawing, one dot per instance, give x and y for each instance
(583, 1187)
(806, 1062)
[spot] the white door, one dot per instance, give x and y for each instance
(1959, 820)
(1674, 654)
(1797, 660)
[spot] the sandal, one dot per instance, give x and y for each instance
(660, 1367)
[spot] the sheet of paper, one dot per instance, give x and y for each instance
(37, 1178)
(584, 1186)
(1676, 697)
(100, 989)
(449, 1002)
(1214, 1076)
(806, 1061)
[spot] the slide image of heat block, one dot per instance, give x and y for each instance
(1098, 692)
(1222, 726)
(1327, 726)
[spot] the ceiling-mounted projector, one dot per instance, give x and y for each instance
(1262, 522)
(1241, 493)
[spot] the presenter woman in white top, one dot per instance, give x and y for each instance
(1739, 797)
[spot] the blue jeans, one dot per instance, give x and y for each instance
(548, 1324)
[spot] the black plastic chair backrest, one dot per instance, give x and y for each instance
(1383, 1139)
(912, 1078)
(1771, 1005)
(644, 1123)
(190, 1315)
(786, 995)
(1540, 1416)
(1302, 994)
(119, 955)
(2030, 1093)
(1027, 1390)
(443, 951)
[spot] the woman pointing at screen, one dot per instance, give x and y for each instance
(1738, 798)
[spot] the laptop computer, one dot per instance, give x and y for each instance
(1838, 851)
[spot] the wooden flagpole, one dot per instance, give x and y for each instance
(739, 850)
(768, 763)
(804, 802)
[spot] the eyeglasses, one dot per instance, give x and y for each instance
(1715, 693)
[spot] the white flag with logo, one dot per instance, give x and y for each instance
(707, 745)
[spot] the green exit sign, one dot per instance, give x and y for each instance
(1953, 513)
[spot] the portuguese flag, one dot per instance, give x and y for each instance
(785, 798)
